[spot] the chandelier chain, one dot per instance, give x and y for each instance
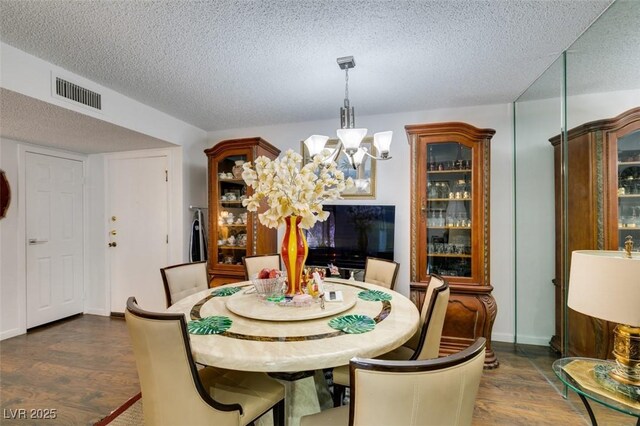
(346, 87)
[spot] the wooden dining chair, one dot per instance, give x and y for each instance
(382, 272)
(174, 392)
(425, 344)
(254, 264)
(184, 280)
(430, 392)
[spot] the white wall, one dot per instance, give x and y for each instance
(537, 122)
(392, 183)
(12, 316)
(31, 76)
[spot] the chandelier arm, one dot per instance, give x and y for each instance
(377, 158)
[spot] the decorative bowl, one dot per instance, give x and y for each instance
(270, 289)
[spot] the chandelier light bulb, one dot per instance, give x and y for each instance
(351, 138)
(382, 142)
(315, 144)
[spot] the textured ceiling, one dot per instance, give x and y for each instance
(30, 120)
(225, 64)
(605, 58)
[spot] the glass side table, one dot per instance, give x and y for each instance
(592, 390)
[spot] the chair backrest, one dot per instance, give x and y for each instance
(432, 315)
(184, 280)
(254, 264)
(172, 392)
(427, 392)
(382, 272)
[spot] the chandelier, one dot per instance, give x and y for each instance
(350, 138)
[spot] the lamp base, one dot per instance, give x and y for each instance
(603, 376)
(626, 351)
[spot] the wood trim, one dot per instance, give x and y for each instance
(223, 146)
(604, 125)
(134, 309)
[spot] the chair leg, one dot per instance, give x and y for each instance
(338, 395)
(278, 414)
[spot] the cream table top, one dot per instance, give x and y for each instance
(292, 346)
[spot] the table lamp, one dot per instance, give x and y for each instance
(606, 285)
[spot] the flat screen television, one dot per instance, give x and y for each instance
(350, 234)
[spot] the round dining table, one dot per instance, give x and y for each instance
(252, 334)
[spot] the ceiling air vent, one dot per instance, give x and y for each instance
(78, 94)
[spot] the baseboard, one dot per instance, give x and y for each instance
(533, 340)
(100, 312)
(12, 333)
(502, 337)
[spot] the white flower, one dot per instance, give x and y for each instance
(291, 190)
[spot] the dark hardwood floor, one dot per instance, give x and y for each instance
(83, 367)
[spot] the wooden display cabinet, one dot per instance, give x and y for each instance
(233, 231)
(603, 207)
(450, 227)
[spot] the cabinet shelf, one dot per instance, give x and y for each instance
(449, 227)
(233, 247)
(236, 181)
(441, 172)
(235, 225)
(629, 228)
(448, 199)
(231, 202)
(629, 196)
(448, 255)
(629, 163)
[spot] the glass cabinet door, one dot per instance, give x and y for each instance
(232, 217)
(449, 209)
(629, 188)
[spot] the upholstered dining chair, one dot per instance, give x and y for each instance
(174, 392)
(382, 272)
(434, 392)
(184, 280)
(425, 344)
(254, 264)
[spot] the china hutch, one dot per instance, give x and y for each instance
(603, 208)
(450, 227)
(233, 231)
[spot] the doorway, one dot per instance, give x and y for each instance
(55, 237)
(138, 228)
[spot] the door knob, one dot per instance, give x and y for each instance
(113, 244)
(37, 241)
(113, 232)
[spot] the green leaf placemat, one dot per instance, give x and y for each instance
(222, 292)
(353, 324)
(209, 325)
(374, 296)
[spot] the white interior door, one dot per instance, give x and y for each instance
(55, 233)
(138, 230)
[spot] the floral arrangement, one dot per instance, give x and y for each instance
(293, 191)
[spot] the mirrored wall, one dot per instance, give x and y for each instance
(569, 177)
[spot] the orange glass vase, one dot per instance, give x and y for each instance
(294, 253)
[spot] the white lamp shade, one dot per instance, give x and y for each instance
(315, 144)
(357, 157)
(351, 138)
(606, 285)
(382, 141)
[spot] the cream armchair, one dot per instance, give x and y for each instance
(254, 264)
(431, 392)
(382, 272)
(174, 392)
(184, 280)
(425, 344)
